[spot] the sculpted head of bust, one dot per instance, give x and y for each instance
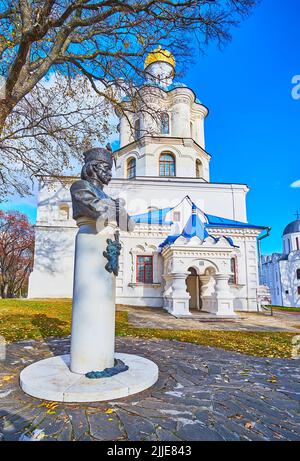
(97, 166)
(88, 198)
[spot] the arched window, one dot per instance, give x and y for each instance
(199, 169)
(166, 165)
(137, 129)
(131, 168)
(298, 274)
(297, 243)
(165, 123)
(233, 268)
(64, 211)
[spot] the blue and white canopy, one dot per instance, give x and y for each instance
(194, 225)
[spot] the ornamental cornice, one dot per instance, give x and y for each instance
(234, 232)
(182, 99)
(163, 140)
(199, 108)
(157, 235)
(152, 93)
(182, 92)
(202, 254)
(162, 228)
(193, 253)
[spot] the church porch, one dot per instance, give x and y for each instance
(197, 275)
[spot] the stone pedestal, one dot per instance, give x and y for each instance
(208, 304)
(93, 310)
(207, 289)
(177, 299)
(62, 378)
(223, 297)
(51, 379)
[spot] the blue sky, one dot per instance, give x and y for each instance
(253, 128)
(252, 131)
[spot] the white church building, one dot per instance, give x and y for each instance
(281, 271)
(192, 248)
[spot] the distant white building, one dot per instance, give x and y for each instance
(281, 271)
(192, 247)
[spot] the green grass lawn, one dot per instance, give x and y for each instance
(37, 319)
(289, 309)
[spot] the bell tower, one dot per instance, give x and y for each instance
(164, 136)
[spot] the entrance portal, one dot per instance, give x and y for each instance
(194, 289)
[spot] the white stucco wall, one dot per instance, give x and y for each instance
(226, 200)
(55, 237)
(219, 199)
(280, 272)
(52, 276)
(289, 280)
(271, 277)
(55, 230)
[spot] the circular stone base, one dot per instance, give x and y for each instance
(51, 379)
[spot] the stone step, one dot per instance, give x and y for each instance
(206, 317)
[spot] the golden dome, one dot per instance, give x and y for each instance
(159, 55)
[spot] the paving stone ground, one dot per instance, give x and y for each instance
(202, 394)
(245, 321)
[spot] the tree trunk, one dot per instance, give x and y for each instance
(4, 111)
(4, 290)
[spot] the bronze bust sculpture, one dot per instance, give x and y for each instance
(90, 201)
(88, 198)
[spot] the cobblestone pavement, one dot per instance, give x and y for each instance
(246, 321)
(202, 394)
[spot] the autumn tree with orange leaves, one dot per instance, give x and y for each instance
(16, 253)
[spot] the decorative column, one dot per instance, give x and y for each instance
(207, 289)
(181, 114)
(223, 296)
(93, 310)
(177, 299)
(197, 292)
(124, 129)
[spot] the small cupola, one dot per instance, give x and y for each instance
(291, 236)
(160, 67)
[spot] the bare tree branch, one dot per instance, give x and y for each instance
(104, 41)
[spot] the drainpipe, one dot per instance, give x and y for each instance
(268, 230)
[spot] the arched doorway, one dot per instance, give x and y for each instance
(193, 288)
